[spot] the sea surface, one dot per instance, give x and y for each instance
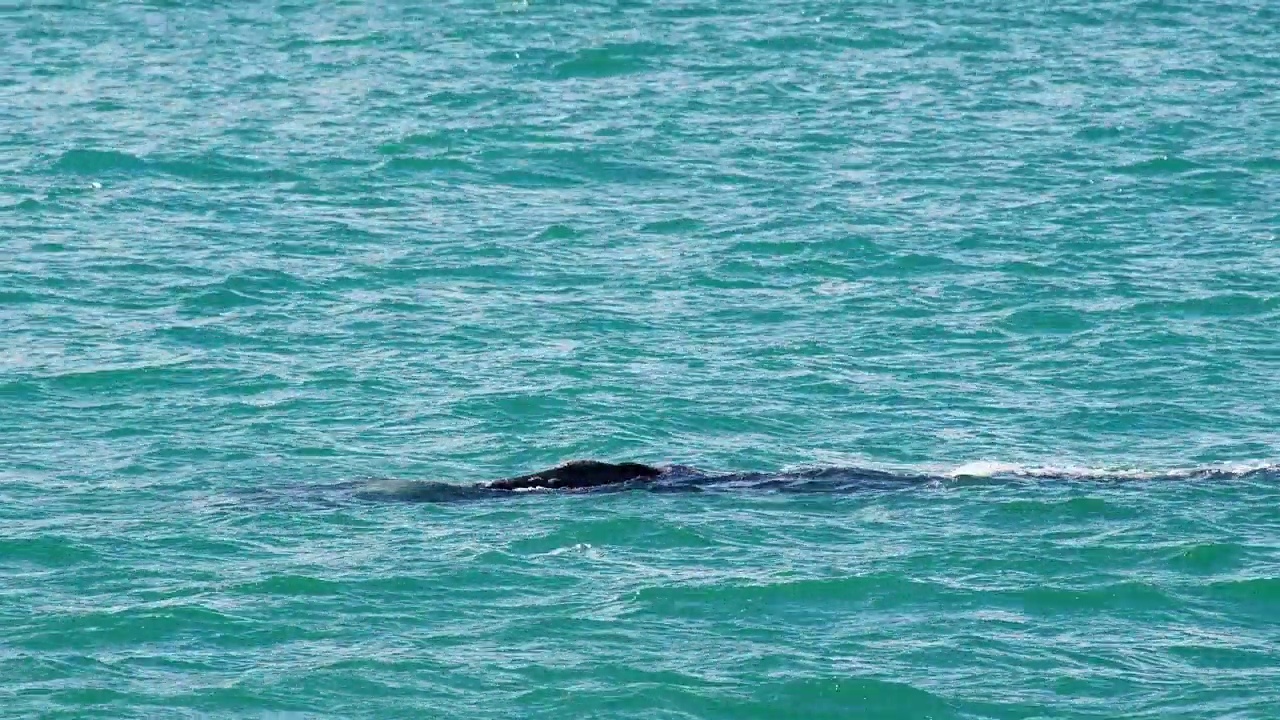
(253, 253)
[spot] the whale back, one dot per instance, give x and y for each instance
(579, 474)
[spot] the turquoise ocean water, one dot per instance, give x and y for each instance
(252, 252)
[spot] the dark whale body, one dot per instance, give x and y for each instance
(577, 475)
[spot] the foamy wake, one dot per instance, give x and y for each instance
(988, 468)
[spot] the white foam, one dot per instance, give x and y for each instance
(984, 468)
(578, 548)
(999, 468)
(989, 468)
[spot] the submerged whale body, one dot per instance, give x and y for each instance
(597, 476)
(583, 476)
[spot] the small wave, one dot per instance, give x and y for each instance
(87, 162)
(1160, 165)
(432, 164)
(609, 61)
(207, 168)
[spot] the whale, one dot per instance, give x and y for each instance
(596, 476)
